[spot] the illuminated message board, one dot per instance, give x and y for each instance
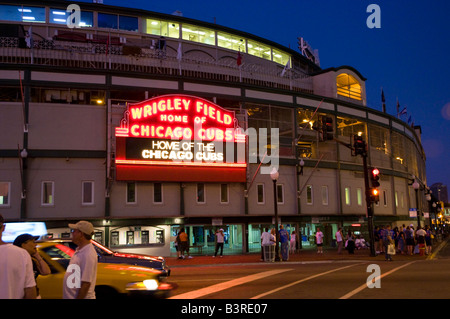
(179, 138)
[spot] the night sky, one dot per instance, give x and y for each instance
(407, 57)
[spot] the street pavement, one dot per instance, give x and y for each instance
(304, 255)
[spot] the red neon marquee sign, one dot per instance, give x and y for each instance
(180, 131)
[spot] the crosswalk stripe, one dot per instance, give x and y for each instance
(228, 284)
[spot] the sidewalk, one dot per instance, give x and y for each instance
(305, 255)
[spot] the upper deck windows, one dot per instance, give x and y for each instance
(163, 28)
(348, 86)
(198, 34)
(22, 13)
(114, 21)
(59, 16)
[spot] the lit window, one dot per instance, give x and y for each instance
(348, 86)
(259, 50)
(59, 16)
(359, 196)
(5, 193)
(347, 196)
(229, 41)
(198, 34)
(280, 57)
(163, 28)
(87, 195)
(47, 193)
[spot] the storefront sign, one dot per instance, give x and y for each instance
(185, 133)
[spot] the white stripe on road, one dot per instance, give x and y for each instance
(300, 281)
(228, 284)
(362, 287)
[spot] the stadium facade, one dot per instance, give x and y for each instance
(102, 110)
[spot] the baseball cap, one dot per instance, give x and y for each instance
(21, 239)
(83, 226)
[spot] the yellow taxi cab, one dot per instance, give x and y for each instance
(113, 280)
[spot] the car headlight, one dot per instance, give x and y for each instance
(148, 284)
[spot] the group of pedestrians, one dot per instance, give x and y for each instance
(268, 242)
(406, 239)
(21, 264)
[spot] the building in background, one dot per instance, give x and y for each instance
(87, 112)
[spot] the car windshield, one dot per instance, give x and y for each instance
(59, 253)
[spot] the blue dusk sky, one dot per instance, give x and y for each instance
(408, 57)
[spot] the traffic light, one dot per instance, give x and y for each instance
(359, 146)
(374, 195)
(375, 177)
(327, 128)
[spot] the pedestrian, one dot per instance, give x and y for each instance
(40, 267)
(284, 240)
(16, 271)
(339, 240)
(184, 244)
(409, 240)
(220, 238)
(267, 241)
(380, 236)
(350, 243)
(428, 241)
(293, 243)
(401, 241)
(83, 262)
(177, 245)
(420, 235)
(319, 241)
(376, 236)
(386, 237)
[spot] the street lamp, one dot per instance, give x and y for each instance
(416, 187)
(274, 175)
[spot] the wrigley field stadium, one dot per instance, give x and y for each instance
(145, 123)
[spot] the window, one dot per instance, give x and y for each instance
(324, 195)
(385, 198)
(280, 57)
(396, 199)
(21, 13)
(259, 50)
(309, 195)
(198, 34)
(5, 193)
(359, 197)
(47, 193)
(131, 193)
(163, 28)
(87, 193)
(347, 196)
(224, 193)
(280, 193)
(108, 21)
(59, 16)
(348, 86)
(229, 41)
(128, 23)
(260, 188)
(157, 193)
(201, 193)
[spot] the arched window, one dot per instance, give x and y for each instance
(348, 86)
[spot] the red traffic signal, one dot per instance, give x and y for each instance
(375, 177)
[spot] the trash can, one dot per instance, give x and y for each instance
(269, 253)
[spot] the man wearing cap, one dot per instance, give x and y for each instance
(81, 275)
(220, 238)
(16, 271)
(40, 267)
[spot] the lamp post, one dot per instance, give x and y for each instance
(274, 175)
(416, 187)
(428, 198)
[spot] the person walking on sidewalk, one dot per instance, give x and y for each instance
(284, 239)
(339, 240)
(319, 241)
(184, 243)
(220, 238)
(387, 238)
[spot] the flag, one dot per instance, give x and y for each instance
(179, 52)
(402, 112)
(239, 59)
(383, 101)
(398, 109)
(29, 37)
(409, 119)
(286, 67)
